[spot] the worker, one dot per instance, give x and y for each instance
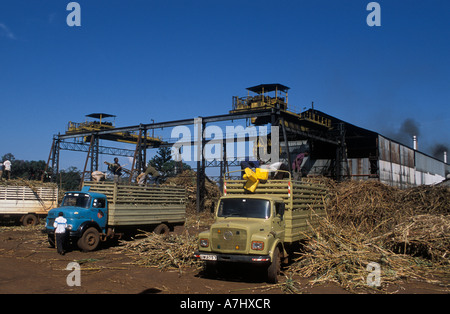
(115, 168)
(98, 176)
(7, 170)
(60, 226)
(156, 176)
(297, 165)
(274, 169)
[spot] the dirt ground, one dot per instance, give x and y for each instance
(29, 266)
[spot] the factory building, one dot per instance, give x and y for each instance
(336, 148)
(371, 156)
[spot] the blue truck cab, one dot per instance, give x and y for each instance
(87, 217)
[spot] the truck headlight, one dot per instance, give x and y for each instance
(257, 245)
(204, 242)
(69, 227)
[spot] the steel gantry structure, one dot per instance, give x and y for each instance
(260, 110)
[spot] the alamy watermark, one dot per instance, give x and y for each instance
(74, 17)
(374, 17)
(214, 143)
(374, 277)
(74, 277)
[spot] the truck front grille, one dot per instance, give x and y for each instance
(229, 239)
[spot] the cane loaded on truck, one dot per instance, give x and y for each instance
(259, 220)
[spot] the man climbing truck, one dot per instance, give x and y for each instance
(260, 227)
(104, 210)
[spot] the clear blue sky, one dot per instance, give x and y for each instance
(168, 60)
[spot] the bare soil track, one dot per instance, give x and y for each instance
(28, 265)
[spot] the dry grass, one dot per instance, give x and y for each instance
(30, 183)
(166, 252)
(405, 231)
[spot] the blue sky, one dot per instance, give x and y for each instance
(169, 60)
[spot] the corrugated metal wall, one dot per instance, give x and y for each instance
(404, 167)
(396, 165)
(429, 170)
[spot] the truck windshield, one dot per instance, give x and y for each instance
(244, 207)
(76, 200)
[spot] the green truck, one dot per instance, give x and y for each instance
(262, 227)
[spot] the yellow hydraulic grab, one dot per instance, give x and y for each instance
(253, 178)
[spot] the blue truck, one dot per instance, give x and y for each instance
(106, 210)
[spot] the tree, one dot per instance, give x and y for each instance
(9, 157)
(25, 169)
(164, 163)
(162, 156)
(70, 179)
(29, 170)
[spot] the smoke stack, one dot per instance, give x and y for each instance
(415, 146)
(445, 156)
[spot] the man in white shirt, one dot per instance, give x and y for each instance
(7, 165)
(60, 225)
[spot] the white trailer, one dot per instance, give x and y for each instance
(27, 204)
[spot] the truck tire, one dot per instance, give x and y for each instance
(162, 229)
(274, 268)
(29, 220)
(89, 240)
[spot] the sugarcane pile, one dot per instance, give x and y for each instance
(188, 180)
(32, 184)
(405, 231)
(165, 252)
(423, 235)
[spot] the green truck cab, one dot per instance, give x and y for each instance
(261, 227)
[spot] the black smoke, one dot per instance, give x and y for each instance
(405, 133)
(409, 127)
(438, 150)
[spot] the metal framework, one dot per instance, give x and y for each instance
(270, 112)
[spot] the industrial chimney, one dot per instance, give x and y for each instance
(415, 142)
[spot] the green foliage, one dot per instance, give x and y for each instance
(25, 169)
(32, 170)
(164, 163)
(70, 179)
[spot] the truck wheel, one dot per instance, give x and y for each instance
(161, 229)
(89, 240)
(274, 269)
(29, 220)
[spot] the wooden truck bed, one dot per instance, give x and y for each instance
(142, 205)
(304, 202)
(24, 199)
